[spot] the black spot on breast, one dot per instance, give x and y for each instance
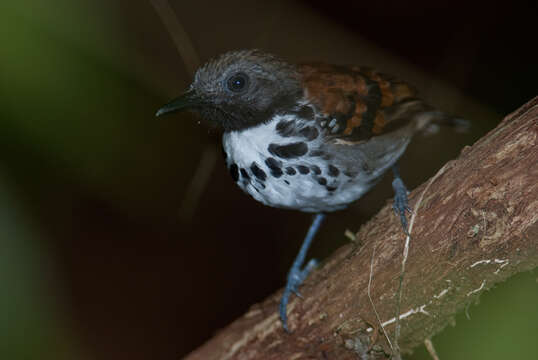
(306, 112)
(285, 128)
(259, 173)
(350, 173)
(276, 173)
(244, 174)
(274, 165)
(287, 182)
(303, 169)
(288, 151)
(316, 169)
(322, 181)
(234, 171)
(333, 171)
(331, 188)
(309, 133)
(290, 171)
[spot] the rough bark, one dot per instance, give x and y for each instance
(475, 225)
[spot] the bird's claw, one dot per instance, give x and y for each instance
(400, 205)
(295, 279)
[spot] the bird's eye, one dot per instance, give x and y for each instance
(238, 82)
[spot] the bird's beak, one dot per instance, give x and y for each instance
(185, 101)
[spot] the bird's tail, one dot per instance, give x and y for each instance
(426, 118)
(439, 118)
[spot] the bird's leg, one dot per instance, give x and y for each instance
(400, 205)
(296, 275)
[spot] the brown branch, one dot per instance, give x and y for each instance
(476, 226)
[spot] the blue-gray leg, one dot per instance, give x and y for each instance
(296, 275)
(400, 205)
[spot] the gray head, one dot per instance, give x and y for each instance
(240, 89)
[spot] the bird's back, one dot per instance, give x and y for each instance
(364, 102)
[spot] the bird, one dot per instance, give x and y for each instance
(312, 137)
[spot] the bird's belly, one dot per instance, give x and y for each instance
(302, 183)
(303, 193)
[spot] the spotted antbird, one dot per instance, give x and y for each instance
(311, 137)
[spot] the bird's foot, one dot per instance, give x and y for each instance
(400, 205)
(296, 276)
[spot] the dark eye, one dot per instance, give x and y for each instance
(237, 82)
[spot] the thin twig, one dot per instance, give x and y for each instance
(431, 349)
(372, 302)
(191, 60)
(198, 183)
(178, 34)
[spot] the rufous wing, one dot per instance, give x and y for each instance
(359, 102)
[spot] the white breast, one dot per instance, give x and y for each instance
(315, 191)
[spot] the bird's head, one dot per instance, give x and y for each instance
(240, 89)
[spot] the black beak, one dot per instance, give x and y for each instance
(185, 101)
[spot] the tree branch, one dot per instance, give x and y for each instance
(475, 226)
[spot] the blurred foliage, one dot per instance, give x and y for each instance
(502, 325)
(67, 101)
(32, 326)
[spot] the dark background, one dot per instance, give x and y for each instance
(123, 236)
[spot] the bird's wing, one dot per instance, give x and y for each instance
(359, 103)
